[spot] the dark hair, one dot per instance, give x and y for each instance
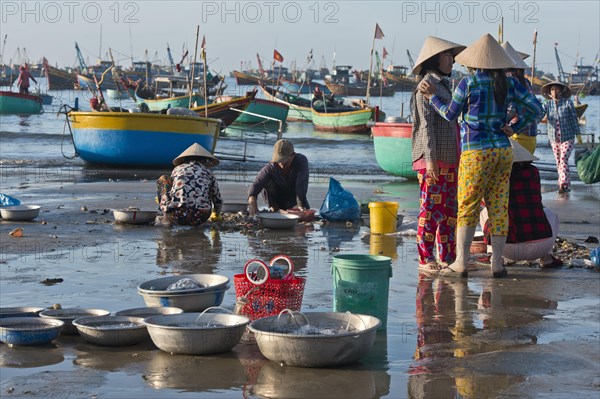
(431, 64)
(519, 74)
(500, 86)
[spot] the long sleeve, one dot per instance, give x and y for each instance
(215, 195)
(260, 181)
(532, 109)
(453, 110)
(426, 116)
(302, 182)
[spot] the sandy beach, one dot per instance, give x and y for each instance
(533, 334)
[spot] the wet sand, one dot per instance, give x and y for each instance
(536, 333)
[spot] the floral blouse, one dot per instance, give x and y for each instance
(193, 186)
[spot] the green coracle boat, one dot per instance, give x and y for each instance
(393, 148)
(19, 104)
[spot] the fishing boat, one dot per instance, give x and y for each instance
(226, 110)
(359, 89)
(262, 107)
(242, 78)
(393, 148)
(139, 139)
(299, 107)
(303, 87)
(20, 104)
(161, 100)
(344, 119)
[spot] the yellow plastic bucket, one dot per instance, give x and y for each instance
(383, 245)
(384, 216)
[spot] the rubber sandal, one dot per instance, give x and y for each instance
(429, 268)
(555, 263)
(450, 273)
(501, 274)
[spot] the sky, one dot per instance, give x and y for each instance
(236, 31)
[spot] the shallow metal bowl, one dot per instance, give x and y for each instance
(26, 311)
(112, 330)
(276, 220)
(29, 330)
(147, 312)
(133, 216)
(193, 302)
(20, 212)
(328, 339)
(70, 314)
(196, 333)
(207, 282)
(234, 207)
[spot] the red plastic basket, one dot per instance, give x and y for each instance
(270, 297)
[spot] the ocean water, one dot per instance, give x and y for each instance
(43, 141)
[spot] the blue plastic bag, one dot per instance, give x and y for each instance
(339, 204)
(595, 256)
(7, 200)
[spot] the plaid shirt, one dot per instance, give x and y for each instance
(564, 113)
(526, 217)
(513, 112)
(482, 118)
(433, 137)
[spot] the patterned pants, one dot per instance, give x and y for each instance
(484, 175)
(437, 216)
(184, 215)
(562, 152)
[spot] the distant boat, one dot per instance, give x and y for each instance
(393, 148)
(259, 106)
(299, 107)
(303, 87)
(223, 110)
(360, 89)
(139, 139)
(344, 119)
(242, 78)
(158, 102)
(20, 104)
(58, 79)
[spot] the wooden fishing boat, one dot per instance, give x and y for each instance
(224, 110)
(393, 148)
(157, 102)
(260, 106)
(242, 78)
(20, 104)
(303, 87)
(139, 139)
(299, 107)
(345, 119)
(354, 89)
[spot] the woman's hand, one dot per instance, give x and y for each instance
(252, 207)
(508, 130)
(426, 88)
(432, 170)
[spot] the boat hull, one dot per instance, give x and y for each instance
(296, 113)
(20, 104)
(137, 139)
(267, 108)
(393, 148)
(172, 102)
(343, 122)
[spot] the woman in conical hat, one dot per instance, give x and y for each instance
(562, 127)
(435, 157)
(527, 136)
(191, 195)
(486, 159)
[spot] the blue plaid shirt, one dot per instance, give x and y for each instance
(565, 113)
(482, 118)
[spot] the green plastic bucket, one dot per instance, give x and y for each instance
(361, 284)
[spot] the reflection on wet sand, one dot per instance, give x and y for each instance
(454, 322)
(29, 356)
(107, 358)
(338, 233)
(293, 243)
(189, 250)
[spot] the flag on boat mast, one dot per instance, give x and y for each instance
(385, 53)
(378, 32)
(277, 56)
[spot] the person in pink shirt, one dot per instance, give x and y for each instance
(23, 81)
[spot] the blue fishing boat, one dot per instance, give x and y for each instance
(139, 139)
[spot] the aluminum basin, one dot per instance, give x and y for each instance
(276, 220)
(196, 333)
(69, 314)
(134, 216)
(147, 312)
(20, 212)
(29, 330)
(192, 302)
(26, 311)
(207, 282)
(112, 330)
(328, 344)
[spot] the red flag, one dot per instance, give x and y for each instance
(203, 42)
(378, 32)
(277, 56)
(385, 53)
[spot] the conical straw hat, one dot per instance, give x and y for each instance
(197, 151)
(433, 46)
(520, 153)
(485, 53)
(546, 89)
(520, 64)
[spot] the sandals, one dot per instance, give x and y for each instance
(450, 273)
(429, 268)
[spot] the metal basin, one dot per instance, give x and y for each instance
(70, 314)
(234, 207)
(112, 330)
(20, 212)
(29, 330)
(207, 282)
(133, 216)
(192, 302)
(321, 339)
(196, 333)
(276, 220)
(147, 312)
(26, 311)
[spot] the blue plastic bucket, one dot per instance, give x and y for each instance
(361, 284)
